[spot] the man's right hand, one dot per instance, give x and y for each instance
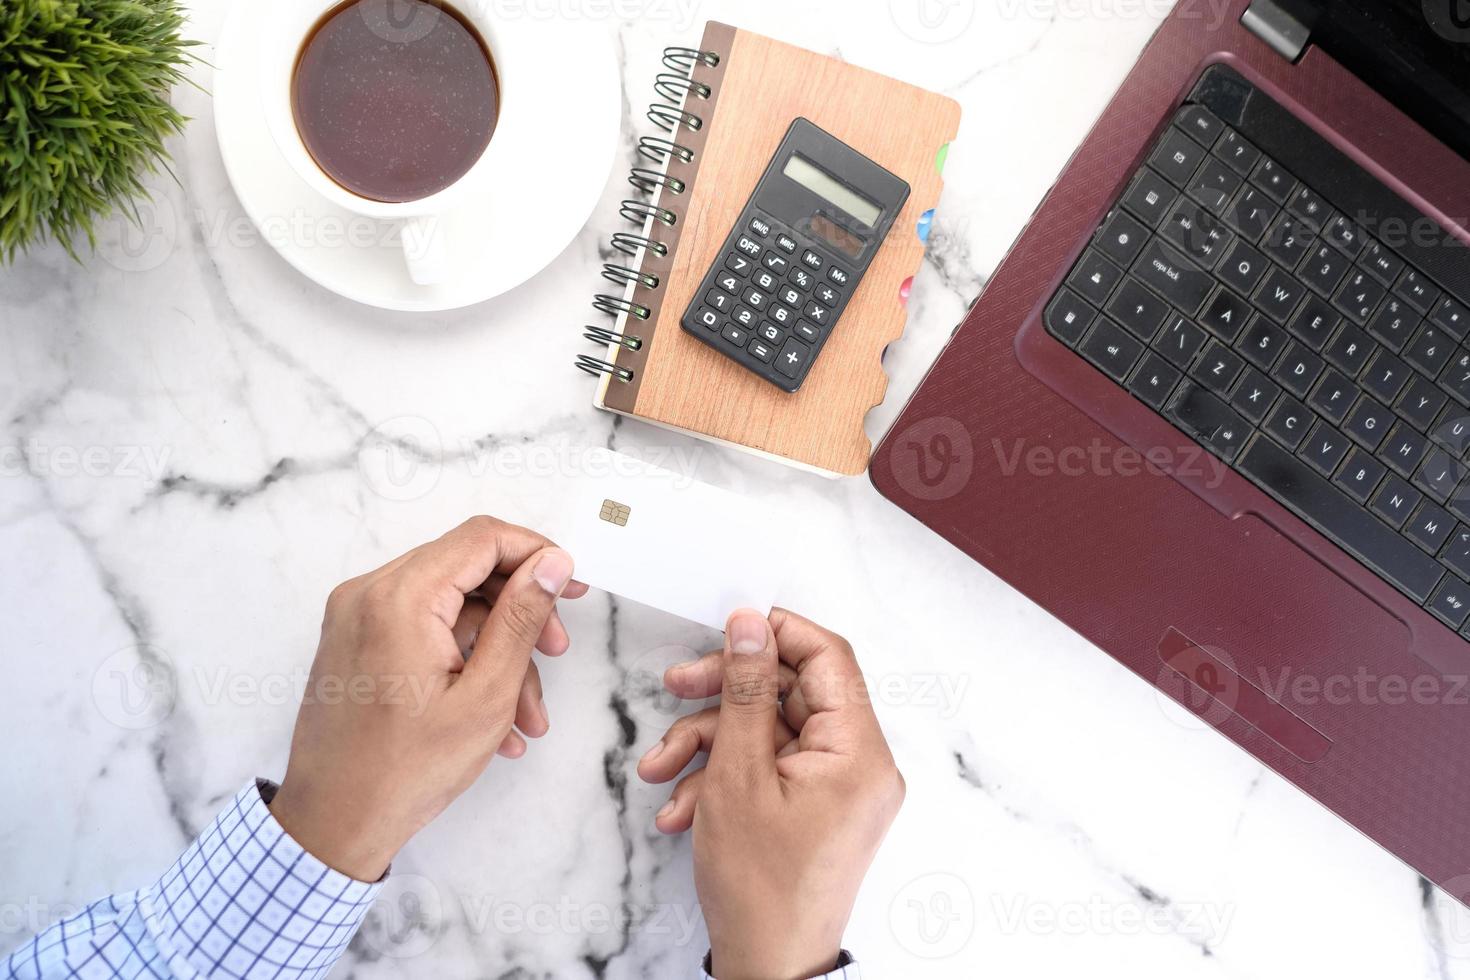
(794, 802)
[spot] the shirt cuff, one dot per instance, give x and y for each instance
(245, 900)
(846, 969)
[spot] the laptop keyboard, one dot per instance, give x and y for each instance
(1235, 300)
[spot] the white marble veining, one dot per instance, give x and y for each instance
(194, 448)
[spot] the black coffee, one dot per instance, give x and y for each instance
(395, 99)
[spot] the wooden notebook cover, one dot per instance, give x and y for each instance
(760, 86)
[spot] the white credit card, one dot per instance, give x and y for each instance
(666, 540)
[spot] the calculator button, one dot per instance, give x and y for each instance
(793, 359)
(784, 316)
(760, 226)
(791, 296)
(801, 278)
(723, 302)
(728, 281)
(756, 299)
(786, 243)
(811, 259)
(773, 261)
(761, 351)
(707, 318)
(748, 245)
(816, 313)
(807, 332)
(738, 264)
(827, 295)
(764, 280)
(839, 276)
(735, 335)
(746, 317)
(771, 333)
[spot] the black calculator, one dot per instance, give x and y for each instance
(795, 256)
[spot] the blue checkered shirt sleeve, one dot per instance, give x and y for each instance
(244, 901)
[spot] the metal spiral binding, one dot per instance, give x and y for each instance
(675, 86)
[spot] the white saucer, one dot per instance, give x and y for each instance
(499, 238)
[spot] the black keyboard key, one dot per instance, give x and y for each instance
(1395, 501)
(1218, 368)
(1358, 296)
(1273, 178)
(1403, 450)
(1324, 448)
(1254, 395)
(772, 334)
(1344, 236)
(1208, 419)
(1201, 124)
(1294, 483)
(1094, 277)
(1196, 232)
(1278, 295)
(1456, 554)
(785, 316)
(1439, 475)
(1415, 289)
(1334, 396)
(1456, 378)
(1251, 212)
(1177, 157)
(793, 359)
(1420, 403)
(1349, 350)
(1150, 197)
(1298, 370)
(1324, 268)
(1451, 315)
(1314, 323)
(802, 279)
(1394, 323)
(1430, 350)
(1288, 422)
(1386, 376)
(1137, 309)
(1288, 240)
(1308, 204)
(1452, 429)
(1359, 475)
(1430, 527)
(719, 301)
(1237, 151)
(1242, 267)
(728, 282)
(738, 336)
(1225, 315)
(738, 264)
(708, 318)
(1112, 350)
(1180, 341)
(1213, 185)
(1173, 276)
(1368, 423)
(1154, 379)
(1122, 238)
(807, 332)
(1451, 602)
(1381, 264)
(1263, 342)
(1067, 317)
(746, 317)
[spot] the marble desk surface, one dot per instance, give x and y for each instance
(196, 453)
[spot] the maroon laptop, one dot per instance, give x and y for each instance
(1213, 409)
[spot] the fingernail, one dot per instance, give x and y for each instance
(553, 571)
(653, 753)
(668, 807)
(747, 632)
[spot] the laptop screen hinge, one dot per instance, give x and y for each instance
(1270, 21)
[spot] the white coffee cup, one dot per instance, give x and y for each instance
(426, 250)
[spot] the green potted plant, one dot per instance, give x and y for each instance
(84, 111)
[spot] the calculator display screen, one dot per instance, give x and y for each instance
(832, 190)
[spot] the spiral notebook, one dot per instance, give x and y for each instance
(724, 108)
